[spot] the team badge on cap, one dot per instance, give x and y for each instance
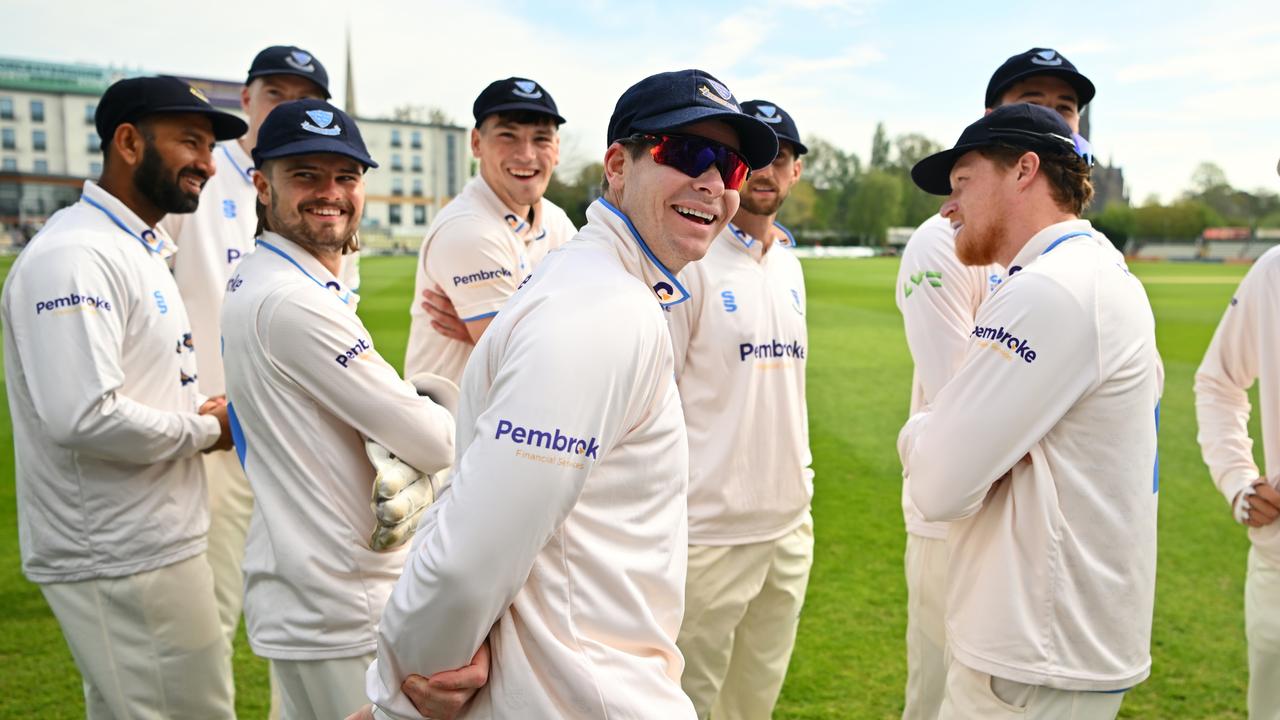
(199, 95)
(769, 114)
(721, 95)
(527, 89)
(1048, 58)
(299, 60)
(323, 119)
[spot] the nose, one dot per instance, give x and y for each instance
(710, 182)
(524, 150)
(948, 207)
(204, 161)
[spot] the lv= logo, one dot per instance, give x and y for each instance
(933, 276)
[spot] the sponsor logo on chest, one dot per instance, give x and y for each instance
(771, 350)
(480, 276)
(1002, 341)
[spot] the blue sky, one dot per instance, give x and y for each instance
(1177, 83)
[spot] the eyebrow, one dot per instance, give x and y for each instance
(1041, 93)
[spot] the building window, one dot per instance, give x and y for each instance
(417, 187)
(89, 111)
(42, 167)
(395, 137)
(393, 214)
(95, 169)
(417, 163)
(9, 164)
(419, 214)
(397, 186)
(415, 140)
(8, 139)
(451, 163)
(95, 143)
(397, 163)
(6, 108)
(38, 142)
(37, 111)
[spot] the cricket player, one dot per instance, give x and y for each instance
(306, 388)
(741, 345)
(489, 237)
(211, 242)
(108, 424)
(1238, 355)
(1041, 449)
(563, 536)
(938, 296)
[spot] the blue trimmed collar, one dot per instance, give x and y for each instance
(665, 286)
(749, 243)
(518, 225)
(308, 265)
(1045, 240)
(154, 239)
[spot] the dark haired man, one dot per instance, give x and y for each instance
(101, 372)
(1041, 449)
(939, 297)
(488, 238)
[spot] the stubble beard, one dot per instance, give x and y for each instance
(327, 240)
(154, 182)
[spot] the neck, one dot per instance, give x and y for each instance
(248, 141)
(1021, 230)
(521, 211)
(330, 259)
(759, 227)
(121, 187)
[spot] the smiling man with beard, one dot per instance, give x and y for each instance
(108, 428)
(740, 351)
(1041, 450)
(307, 388)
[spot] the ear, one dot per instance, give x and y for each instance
(475, 142)
(262, 186)
(615, 163)
(129, 144)
(244, 99)
(1027, 169)
(796, 168)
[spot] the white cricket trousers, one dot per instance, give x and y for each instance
(741, 612)
(1262, 630)
(974, 695)
(321, 689)
(926, 570)
(148, 646)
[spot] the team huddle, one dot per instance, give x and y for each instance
(588, 496)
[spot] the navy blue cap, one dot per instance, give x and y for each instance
(669, 101)
(514, 94)
(1020, 125)
(780, 120)
(1038, 61)
(289, 60)
(304, 127)
(131, 99)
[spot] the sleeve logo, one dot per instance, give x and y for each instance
(76, 301)
(1003, 342)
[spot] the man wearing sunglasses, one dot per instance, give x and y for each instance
(484, 243)
(740, 346)
(938, 297)
(1243, 351)
(1042, 448)
(566, 518)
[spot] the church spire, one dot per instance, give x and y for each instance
(351, 80)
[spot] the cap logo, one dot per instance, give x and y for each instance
(717, 98)
(769, 114)
(322, 118)
(720, 89)
(527, 89)
(199, 95)
(299, 60)
(1046, 57)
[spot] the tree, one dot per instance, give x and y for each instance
(876, 206)
(1116, 221)
(912, 148)
(799, 211)
(828, 167)
(422, 114)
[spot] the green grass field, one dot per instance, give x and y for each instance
(850, 658)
